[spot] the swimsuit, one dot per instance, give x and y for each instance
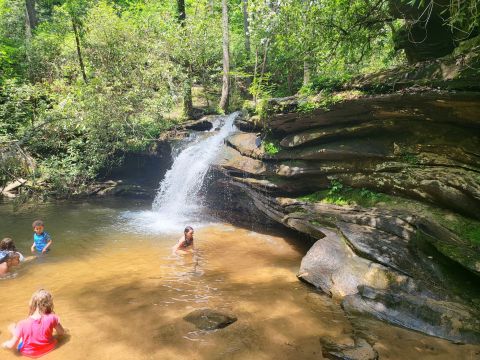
(41, 240)
(6, 254)
(186, 243)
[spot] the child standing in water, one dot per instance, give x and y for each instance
(34, 335)
(41, 239)
(185, 244)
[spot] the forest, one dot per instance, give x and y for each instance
(84, 81)
(240, 179)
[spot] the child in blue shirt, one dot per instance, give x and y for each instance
(41, 239)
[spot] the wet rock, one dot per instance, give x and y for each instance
(248, 123)
(447, 319)
(203, 124)
(379, 246)
(360, 349)
(118, 188)
(425, 106)
(333, 267)
(208, 319)
(246, 144)
(323, 134)
(235, 162)
(449, 187)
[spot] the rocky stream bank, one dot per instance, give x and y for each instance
(387, 186)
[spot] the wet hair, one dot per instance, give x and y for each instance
(186, 231)
(41, 300)
(7, 245)
(37, 223)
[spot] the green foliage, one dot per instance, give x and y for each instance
(335, 39)
(307, 106)
(410, 158)
(462, 16)
(465, 228)
(271, 147)
(469, 230)
(262, 109)
(339, 194)
(73, 128)
(329, 83)
(139, 62)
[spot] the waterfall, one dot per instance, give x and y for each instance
(178, 197)
(178, 201)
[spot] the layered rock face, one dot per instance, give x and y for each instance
(388, 187)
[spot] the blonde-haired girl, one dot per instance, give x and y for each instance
(34, 335)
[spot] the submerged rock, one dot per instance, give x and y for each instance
(208, 319)
(359, 349)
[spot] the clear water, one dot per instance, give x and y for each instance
(123, 295)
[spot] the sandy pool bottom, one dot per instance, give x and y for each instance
(125, 298)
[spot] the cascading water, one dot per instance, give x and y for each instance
(179, 190)
(178, 200)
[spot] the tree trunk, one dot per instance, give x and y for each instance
(246, 31)
(187, 97)
(246, 27)
(212, 7)
(187, 86)
(79, 51)
(30, 17)
(181, 14)
(306, 72)
(226, 58)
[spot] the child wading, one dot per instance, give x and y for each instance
(33, 336)
(41, 239)
(185, 244)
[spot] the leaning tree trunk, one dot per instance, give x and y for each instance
(79, 50)
(226, 58)
(187, 86)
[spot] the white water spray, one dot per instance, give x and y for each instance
(178, 200)
(179, 191)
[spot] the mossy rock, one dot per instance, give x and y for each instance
(449, 244)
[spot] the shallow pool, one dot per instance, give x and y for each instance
(122, 294)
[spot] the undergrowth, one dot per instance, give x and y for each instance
(340, 194)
